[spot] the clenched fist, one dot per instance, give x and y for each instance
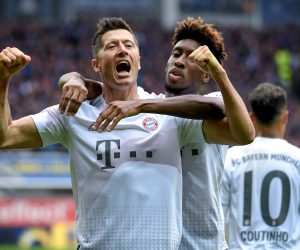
(12, 60)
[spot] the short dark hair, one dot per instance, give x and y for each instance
(267, 102)
(107, 24)
(205, 34)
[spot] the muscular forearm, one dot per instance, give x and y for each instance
(239, 121)
(186, 106)
(4, 108)
(9, 118)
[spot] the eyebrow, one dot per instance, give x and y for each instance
(117, 41)
(183, 49)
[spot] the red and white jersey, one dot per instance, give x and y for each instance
(261, 195)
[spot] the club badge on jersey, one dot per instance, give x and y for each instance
(150, 124)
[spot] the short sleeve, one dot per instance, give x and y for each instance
(190, 131)
(50, 125)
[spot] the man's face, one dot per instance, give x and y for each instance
(118, 59)
(181, 72)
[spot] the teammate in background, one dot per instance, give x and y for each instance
(261, 185)
(125, 179)
(202, 161)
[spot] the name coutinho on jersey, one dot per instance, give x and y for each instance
(267, 236)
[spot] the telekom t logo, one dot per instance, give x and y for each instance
(107, 152)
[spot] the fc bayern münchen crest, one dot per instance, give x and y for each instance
(150, 124)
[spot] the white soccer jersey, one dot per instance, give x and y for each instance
(127, 183)
(261, 195)
(202, 169)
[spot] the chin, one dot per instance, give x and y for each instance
(174, 84)
(171, 82)
(123, 84)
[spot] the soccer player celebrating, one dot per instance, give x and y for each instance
(127, 188)
(202, 161)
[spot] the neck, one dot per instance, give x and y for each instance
(112, 94)
(171, 91)
(270, 132)
(276, 129)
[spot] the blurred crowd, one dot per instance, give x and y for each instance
(269, 54)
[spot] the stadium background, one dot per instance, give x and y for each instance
(262, 38)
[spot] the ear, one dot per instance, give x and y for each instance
(205, 78)
(252, 117)
(255, 123)
(285, 117)
(96, 65)
(140, 62)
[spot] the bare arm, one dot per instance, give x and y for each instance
(21, 133)
(189, 106)
(75, 90)
(237, 127)
(186, 106)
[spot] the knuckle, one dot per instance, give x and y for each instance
(119, 109)
(101, 116)
(83, 89)
(65, 98)
(74, 99)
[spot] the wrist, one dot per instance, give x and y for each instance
(4, 81)
(148, 105)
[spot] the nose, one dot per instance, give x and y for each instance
(122, 48)
(180, 62)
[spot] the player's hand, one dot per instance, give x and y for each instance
(205, 59)
(114, 112)
(12, 60)
(74, 93)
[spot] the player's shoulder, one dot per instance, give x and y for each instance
(214, 94)
(236, 149)
(145, 95)
(52, 109)
(233, 154)
(280, 145)
(293, 149)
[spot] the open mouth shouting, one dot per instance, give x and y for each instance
(123, 68)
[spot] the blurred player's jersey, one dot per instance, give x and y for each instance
(202, 169)
(127, 183)
(261, 195)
